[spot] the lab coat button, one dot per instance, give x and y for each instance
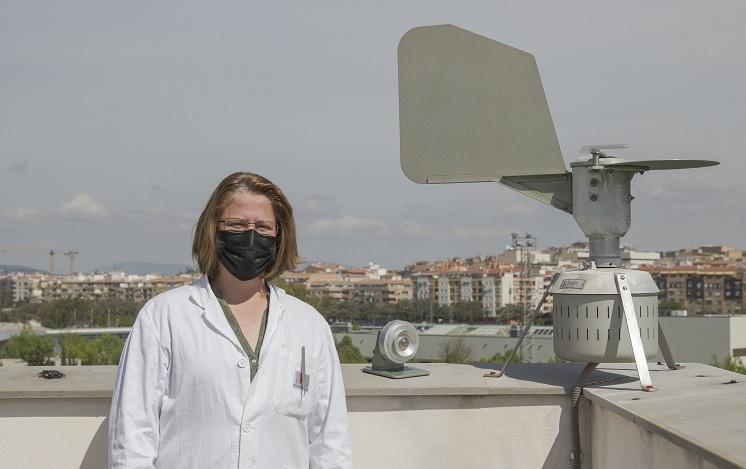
(242, 363)
(246, 427)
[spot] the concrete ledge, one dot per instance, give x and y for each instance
(464, 380)
(693, 408)
(79, 382)
(444, 380)
(697, 418)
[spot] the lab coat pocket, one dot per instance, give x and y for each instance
(293, 394)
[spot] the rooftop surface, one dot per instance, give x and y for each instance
(700, 408)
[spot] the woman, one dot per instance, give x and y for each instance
(232, 372)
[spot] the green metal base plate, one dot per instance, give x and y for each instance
(407, 372)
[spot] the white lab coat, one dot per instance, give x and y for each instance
(184, 398)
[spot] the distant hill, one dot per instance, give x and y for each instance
(142, 268)
(7, 269)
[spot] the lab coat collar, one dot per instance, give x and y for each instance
(203, 296)
(273, 334)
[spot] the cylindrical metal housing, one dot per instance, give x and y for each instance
(605, 251)
(398, 341)
(589, 320)
(601, 206)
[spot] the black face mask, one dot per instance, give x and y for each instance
(246, 255)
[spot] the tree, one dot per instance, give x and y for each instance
(298, 290)
(34, 349)
(669, 305)
(77, 312)
(104, 350)
(468, 312)
(348, 353)
(510, 312)
(557, 360)
(455, 351)
(545, 319)
(501, 358)
(730, 364)
(72, 349)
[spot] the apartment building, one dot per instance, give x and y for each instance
(701, 289)
(634, 259)
(113, 285)
(382, 291)
(704, 255)
(520, 256)
(354, 285)
(328, 285)
(492, 290)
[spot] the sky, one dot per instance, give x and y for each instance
(118, 119)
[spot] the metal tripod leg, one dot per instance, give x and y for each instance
(634, 332)
(527, 326)
(666, 350)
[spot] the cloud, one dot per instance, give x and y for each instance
(470, 233)
(318, 204)
(345, 224)
(83, 206)
(692, 196)
(23, 214)
(448, 231)
(20, 168)
(413, 228)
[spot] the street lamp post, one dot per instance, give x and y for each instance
(522, 241)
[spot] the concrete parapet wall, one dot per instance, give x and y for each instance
(454, 418)
(446, 432)
(618, 443)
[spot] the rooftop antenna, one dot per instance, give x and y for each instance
(473, 110)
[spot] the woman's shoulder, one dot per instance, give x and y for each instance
(163, 304)
(300, 311)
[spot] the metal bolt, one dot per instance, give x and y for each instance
(403, 343)
(624, 288)
(594, 182)
(594, 197)
(621, 277)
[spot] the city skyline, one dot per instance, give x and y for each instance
(146, 267)
(115, 129)
(708, 279)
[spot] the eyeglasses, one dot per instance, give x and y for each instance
(239, 225)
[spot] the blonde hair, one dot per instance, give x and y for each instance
(204, 245)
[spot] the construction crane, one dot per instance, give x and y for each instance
(71, 255)
(51, 252)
